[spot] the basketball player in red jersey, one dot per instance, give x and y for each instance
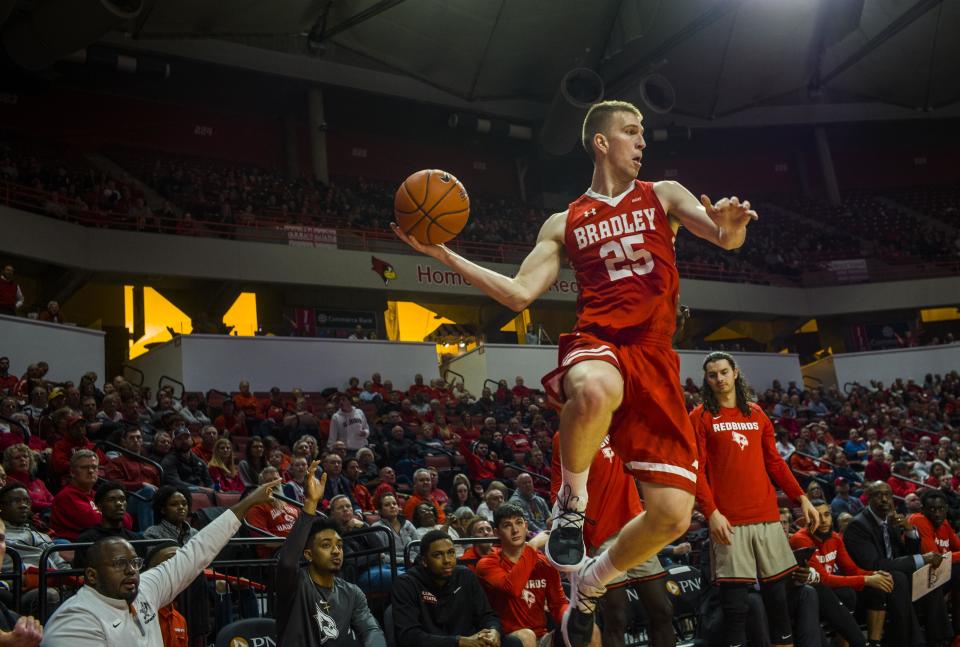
(738, 457)
(613, 502)
(619, 238)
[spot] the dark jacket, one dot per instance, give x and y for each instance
(309, 615)
(425, 615)
(864, 541)
(185, 470)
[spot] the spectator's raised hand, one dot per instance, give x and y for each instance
(313, 488)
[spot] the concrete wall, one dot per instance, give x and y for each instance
(211, 361)
(887, 365)
(70, 351)
(137, 254)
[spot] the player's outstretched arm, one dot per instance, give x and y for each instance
(537, 273)
(724, 224)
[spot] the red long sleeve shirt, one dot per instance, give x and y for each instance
(940, 540)
(131, 473)
(831, 560)
(73, 512)
(738, 457)
(612, 494)
(518, 591)
(901, 487)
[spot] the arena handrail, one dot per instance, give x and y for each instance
(15, 575)
(134, 455)
(183, 389)
(519, 468)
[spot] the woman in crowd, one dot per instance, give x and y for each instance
(403, 530)
(171, 505)
(253, 463)
(223, 470)
(938, 475)
(20, 464)
(461, 495)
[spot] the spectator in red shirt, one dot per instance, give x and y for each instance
(900, 481)
(361, 495)
(519, 389)
(418, 386)
(7, 382)
(11, 433)
(229, 422)
(136, 476)
(388, 480)
(938, 475)
(520, 582)
(480, 467)
(74, 439)
(248, 404)
(878, 469)
(423, 493)
(73, 508)
(223, 470)
(208, 439)
(275, 518)
(804, 466)
(20, 464)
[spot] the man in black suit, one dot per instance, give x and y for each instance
(880, 539)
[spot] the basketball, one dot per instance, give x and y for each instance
(432, 206)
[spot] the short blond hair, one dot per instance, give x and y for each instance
(598, 121)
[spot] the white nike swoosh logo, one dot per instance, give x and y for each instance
(636, 200)
(457, 589)
(717, 417)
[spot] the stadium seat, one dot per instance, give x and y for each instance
(227, 499)
(200, 500)
(440, 461)
(249, 631)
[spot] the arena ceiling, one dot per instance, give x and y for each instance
(721, 57)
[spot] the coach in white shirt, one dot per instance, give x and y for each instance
(117, 607)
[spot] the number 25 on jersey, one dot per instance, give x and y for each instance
(622, 257)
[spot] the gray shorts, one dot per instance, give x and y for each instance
(757, 551)
(649, 570)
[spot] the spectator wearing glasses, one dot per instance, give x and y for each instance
(74, 509)
(117, 607)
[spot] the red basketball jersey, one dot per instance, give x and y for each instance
(621, 249)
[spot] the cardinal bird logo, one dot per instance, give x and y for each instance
(383, 269)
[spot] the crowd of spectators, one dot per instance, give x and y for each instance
(212, 197)
(84, 461)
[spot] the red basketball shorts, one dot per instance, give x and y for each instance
(651, 431)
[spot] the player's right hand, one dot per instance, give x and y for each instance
(879, 580)
(721, 532)
(434, 251)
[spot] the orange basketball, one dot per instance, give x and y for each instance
(432, 206)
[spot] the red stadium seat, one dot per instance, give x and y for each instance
(440, 461)
(227, 499)
(200, 500)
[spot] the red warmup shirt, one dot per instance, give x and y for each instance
(942, 540)
(517, 592)
(613, 499)
(621, 249)
(131, 473)
(901, 487)
(831, 560)
(738, 455)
